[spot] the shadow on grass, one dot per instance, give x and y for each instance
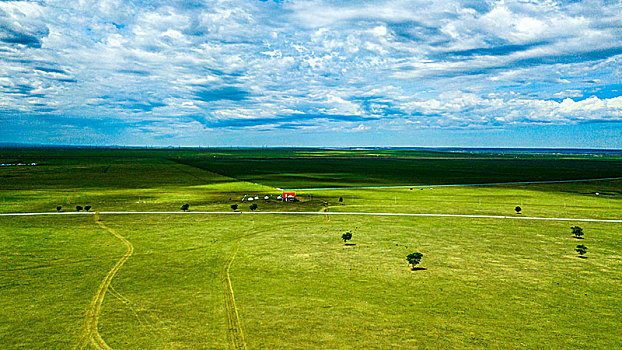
(418, 269)
(582, 257)
(350, 244)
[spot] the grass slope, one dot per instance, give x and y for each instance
(486, 283)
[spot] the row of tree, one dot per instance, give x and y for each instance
(78, 208)
(234, 207)
(576, 231)
(578, 234)
(253, 206)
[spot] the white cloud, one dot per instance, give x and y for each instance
(379, 31)
(429, 64)
(569, 93)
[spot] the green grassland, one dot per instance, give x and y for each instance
(331, 172)
(117, 179)
(487, 283)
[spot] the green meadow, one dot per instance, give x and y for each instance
(276, 281)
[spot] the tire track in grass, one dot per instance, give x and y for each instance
(129, 304)
(91, 321)
(145, 319)
(235, 331)
(234, 323)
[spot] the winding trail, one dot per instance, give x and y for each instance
(91, 332)
(236, 333)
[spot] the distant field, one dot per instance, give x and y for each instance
(301, 168)
(487, 283)
(332, 172)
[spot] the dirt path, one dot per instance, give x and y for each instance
(236, 333)
(91, 333)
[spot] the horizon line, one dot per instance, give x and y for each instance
(359, 147)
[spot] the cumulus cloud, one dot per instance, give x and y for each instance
(199, 66)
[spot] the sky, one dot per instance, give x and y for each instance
(312, 73)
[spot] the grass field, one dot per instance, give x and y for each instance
(282, 281)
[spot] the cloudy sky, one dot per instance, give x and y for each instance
(312, 73)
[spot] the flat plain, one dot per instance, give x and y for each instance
(264, 281)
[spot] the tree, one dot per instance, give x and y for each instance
(185, 207)
(87, 208)
(414, 259)
(581, 249)
(340, 199)
(518, 209)
(234, 207)
(59, 208)
(78, 207)
(253, 206)
(577, 232)
(346, 236)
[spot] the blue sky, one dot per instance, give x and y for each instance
(312, 73)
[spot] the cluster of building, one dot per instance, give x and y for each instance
(18, 164)
(285, 197)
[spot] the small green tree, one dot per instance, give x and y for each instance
(577, 232)
(234, 207)
(87, 208)
(518, 209)
(414, 259)
(59, 208)
(253, 206)
(185, 207)
(346, 236)
(340, 199)
(581, 249)
(78, 207)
